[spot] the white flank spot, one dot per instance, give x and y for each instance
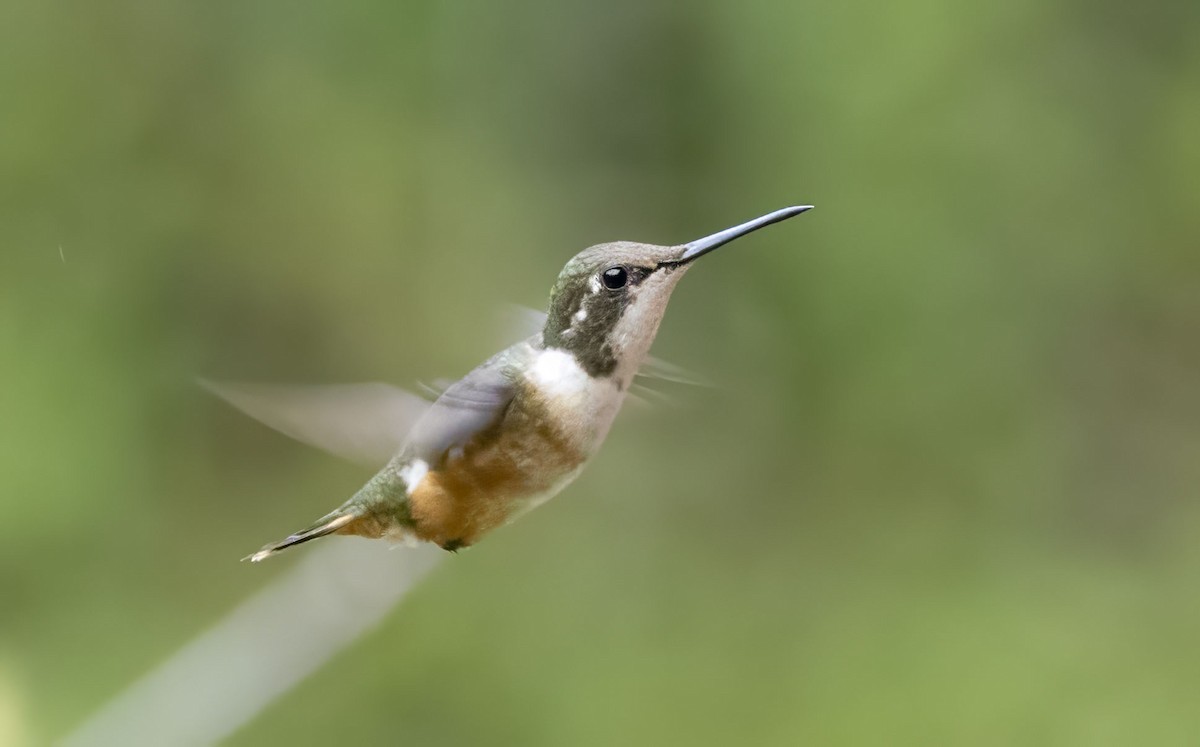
(413, 473)
(556, 373)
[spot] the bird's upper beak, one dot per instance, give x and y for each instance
(703, 246)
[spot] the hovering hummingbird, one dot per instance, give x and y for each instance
(513, 432)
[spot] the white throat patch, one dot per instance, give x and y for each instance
(558, 374)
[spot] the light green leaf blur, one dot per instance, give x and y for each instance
(945, 492)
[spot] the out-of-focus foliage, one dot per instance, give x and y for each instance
(946, 493)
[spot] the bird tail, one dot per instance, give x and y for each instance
(328, 524)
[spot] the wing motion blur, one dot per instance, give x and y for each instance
(364, 423)
(465, 408)
(369, 423)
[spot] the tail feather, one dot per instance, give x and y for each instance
(326, 525)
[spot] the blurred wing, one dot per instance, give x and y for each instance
(366, 423)
(643, 396)
(657, 368)
(520, 322)
(517, 322)
(467, 407)
(435, 388)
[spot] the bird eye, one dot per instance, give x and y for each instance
(615, 278)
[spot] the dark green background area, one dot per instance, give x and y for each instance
(946, 489)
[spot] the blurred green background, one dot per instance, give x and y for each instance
(946, 491)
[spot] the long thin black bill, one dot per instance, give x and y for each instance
(705, 245)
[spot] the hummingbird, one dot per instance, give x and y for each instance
(514, 431)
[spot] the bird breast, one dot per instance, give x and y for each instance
(556, 421)
(579, 406)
